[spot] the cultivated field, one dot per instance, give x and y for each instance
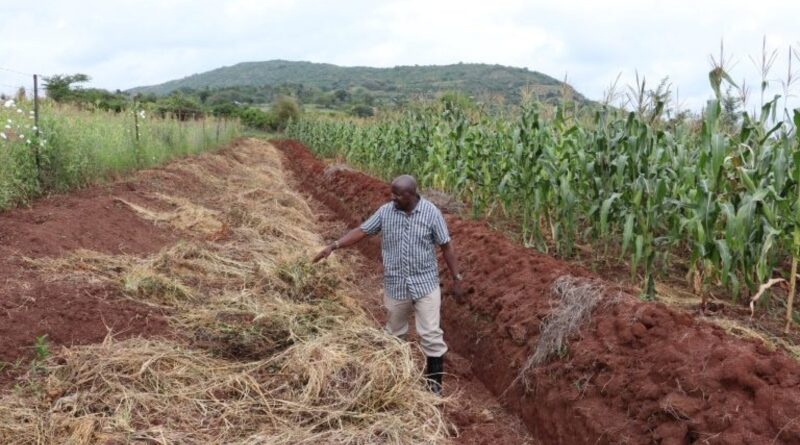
(179, 307)
(630, 277)
(715, 197)
(582, 360)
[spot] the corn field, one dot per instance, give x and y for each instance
(76, 147)
(634, 184)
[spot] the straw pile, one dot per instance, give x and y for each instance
(577, 298)
(272, 350)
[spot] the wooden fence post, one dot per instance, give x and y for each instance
(36, 132)
(136, 132)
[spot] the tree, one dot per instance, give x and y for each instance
(342, 95)
(203, 95)
(255, 118)
(180, 106)
(731, 111)
(362, 111)
(101, 99)
(285, 109)
(456, 99)
(60, 86)
(227, 109)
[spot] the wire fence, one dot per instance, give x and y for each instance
(21, 93)
(14, 82)
(73, 144)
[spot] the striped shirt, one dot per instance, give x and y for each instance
(410, 269)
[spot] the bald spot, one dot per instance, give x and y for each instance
(405, 183)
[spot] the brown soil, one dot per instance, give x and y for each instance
(72, 312)
(674, 288)
(479, 417)
(637, 373)
(69, 312)
(76, 311)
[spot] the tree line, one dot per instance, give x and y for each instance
(182, 105)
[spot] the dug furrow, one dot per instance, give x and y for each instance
(206, 258)
(632, 372)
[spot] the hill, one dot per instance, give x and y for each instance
(384, 85)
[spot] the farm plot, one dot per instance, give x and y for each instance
(579, 359)
(179, 307)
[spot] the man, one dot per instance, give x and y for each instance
(411, 227)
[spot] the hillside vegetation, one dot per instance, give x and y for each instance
(329, 84)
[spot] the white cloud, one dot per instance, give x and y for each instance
(127, 43)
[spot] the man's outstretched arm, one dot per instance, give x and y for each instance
(350, 238)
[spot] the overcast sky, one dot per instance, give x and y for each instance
(122, 44)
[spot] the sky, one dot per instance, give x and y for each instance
(122, 44)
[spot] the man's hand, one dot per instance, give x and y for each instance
(458, 292)
(325, 253)
(452, 264)
(348, 239)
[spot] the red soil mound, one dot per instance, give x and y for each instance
(69, 311)
(637, 373)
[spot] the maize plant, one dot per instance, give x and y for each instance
(629, 183)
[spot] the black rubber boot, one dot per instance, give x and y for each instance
(433, 372)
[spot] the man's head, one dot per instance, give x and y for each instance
(404, 192)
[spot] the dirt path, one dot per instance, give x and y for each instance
(634, 372)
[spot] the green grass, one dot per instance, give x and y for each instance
(78, 147)
(259, 134)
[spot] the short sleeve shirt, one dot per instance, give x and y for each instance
(408, 245)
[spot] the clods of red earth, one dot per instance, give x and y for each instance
(70, 312)
(636, 372)
(74, 311)
(479, 418)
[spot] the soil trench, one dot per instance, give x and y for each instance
(478, 416)
(76, 311)
(636, 373)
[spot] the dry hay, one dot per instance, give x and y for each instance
(445, 201)
(249, 325)
(186, 216)
(351, 386)
(274, 350)
(738, 329)
(332, 169)
(674, 296)
(578, 297)
(142, 283)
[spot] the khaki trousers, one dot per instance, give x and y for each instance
(427, 316)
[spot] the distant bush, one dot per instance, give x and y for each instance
(362, 111)
(257, 118)
(227, 109)
(181, 107)
(284, 109)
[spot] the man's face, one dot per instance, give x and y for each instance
(402, 198)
